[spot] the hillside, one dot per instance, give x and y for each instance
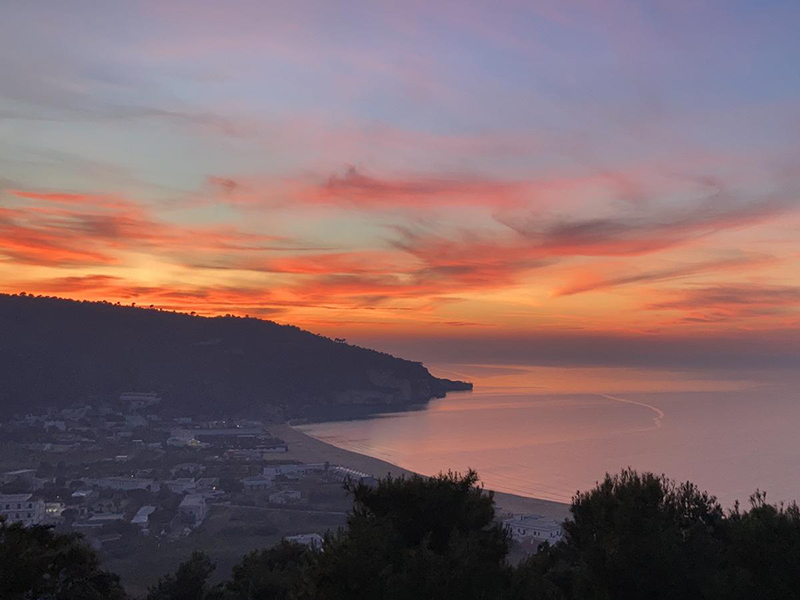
(55, 352)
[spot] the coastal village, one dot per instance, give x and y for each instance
(138, 484)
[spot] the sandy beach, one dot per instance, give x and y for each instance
(305, 448)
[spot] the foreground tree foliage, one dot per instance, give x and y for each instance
(415, 538)
(278, 573)
(633, 536)
(37, 563)
(643, 536)
(190, 581)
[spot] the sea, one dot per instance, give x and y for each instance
(548, 432)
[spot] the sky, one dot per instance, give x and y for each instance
(589, 181)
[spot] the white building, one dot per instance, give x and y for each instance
(293, 470)
(142, 517)
(182, 485)
(256, 483)
(346, 474)
(194, 507)
(535, 527)
(312, 540)
(183, 438)
(21, 508)
(84, 495)
(53, 510)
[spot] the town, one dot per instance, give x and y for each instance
(142, 486)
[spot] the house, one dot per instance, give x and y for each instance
(193, 508)
(53, 510)
(21, 508)
(285, 497)
(207, 484)
(142, 517)
(84, 495)
(537, 527)
(135, 421)
(276, 447)
(292, 471)
(189, 468)
(106, 505)
(97, 521)
(127, 484)
(258, 482)
(345, 474)
(244, 454)
(136, 400)
(312, 540)
(182, 485)
(183, 438)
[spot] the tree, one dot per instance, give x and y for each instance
(231, 485)
(189, 582)
(644, 536)
(69, 515)
(36, 562)
(763, 551)
(415, 538)
(274, 574)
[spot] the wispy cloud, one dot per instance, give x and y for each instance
(64, 228)
(363, 190)
(590, 280)
(652, 231)
(727, 302)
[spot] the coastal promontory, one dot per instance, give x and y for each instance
(56, 352)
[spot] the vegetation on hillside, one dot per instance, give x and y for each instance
(633, 536)
(55, 352)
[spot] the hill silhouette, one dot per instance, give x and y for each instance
(55, 352)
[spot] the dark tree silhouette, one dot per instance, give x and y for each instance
(189, 582)
(37, 563)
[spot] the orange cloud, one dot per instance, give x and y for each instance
(208, 300)
(341, 262)
(590, 280)
(727, 302)
(93, 200)
(91, 229)
(355, 187)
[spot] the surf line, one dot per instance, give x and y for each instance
(659, 413)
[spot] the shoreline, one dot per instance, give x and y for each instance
(305, 448)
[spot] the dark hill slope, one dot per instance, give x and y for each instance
(54, 352)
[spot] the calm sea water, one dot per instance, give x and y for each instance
(547, 432)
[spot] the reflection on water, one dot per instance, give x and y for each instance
(547, 432)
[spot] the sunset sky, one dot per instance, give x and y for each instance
(576, 179)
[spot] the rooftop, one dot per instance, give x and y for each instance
(15, 497)
(193, 500)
